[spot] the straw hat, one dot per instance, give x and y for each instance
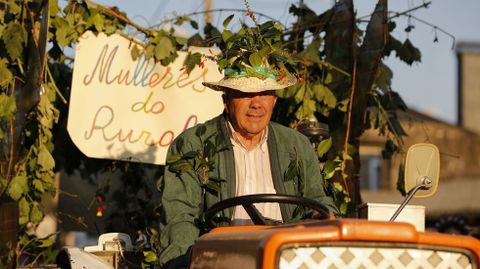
(254, 81)
(250, 84)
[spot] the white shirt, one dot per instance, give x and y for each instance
(253, 176)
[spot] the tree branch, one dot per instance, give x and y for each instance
(349, 123)
(113, 13)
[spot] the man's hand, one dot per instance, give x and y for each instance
(320, 215)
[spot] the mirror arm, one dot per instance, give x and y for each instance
(425, 185)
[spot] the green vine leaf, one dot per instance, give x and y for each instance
(209, 149)
(53, 8)
(63, 31)
(182, 19)
(135, 52)
(8, 106)
(226, 35)
(294, 171)
(384, 81)
(227, 20)
(409, 53)
(312, 51)
(329, 169)
(98, 21)
(201, 130)
(24, 211)
(213, 187)
(255, 59)
(192, 60)
(324, 146)
(5, 75)
(14, 6)
(306, 110)
(218, 180)
(45, 159)
(180, 166)
(298, 212)
(164, 48)
(38, 184)
(47, 242)
(343, 208)
(150, 256)
(291, 172)
(14, 37)
(110, 29)
(197, 163)
(36, 214)
(343, 105)
(338, 186)
(325, 95)
(18, 187)
(173, 158)
(329, 98)
(181, 40)
(189, 155)
(300, 94)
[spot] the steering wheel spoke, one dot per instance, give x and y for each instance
(254, 214)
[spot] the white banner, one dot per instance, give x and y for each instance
(132, 110)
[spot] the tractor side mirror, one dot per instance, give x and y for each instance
(422, 168)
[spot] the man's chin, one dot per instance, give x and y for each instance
(255, 131)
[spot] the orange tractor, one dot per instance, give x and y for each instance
(342, 243)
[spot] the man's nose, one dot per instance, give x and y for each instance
(255, 101)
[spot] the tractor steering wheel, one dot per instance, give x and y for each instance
(247, 202)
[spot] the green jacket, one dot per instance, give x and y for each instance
(183, 201)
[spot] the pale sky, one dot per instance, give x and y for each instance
(430, 87)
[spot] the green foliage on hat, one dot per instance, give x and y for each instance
(254, 51)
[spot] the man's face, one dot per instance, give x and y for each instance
(249, 113)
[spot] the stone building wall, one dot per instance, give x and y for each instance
(468, 55)
(458, 191)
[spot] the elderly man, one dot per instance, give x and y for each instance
(253, 157)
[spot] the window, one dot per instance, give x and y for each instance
(370, 172)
